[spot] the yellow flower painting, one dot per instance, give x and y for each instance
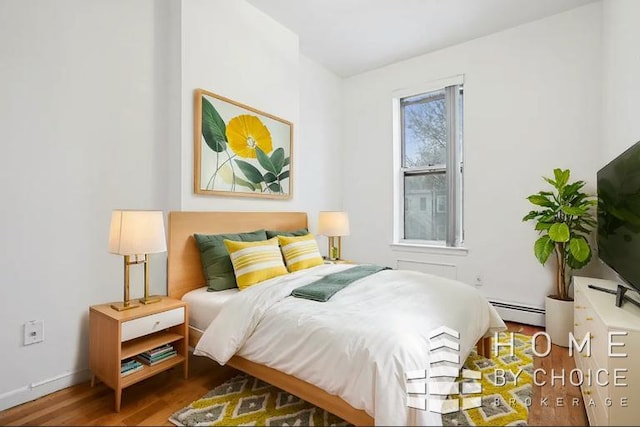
(240, 150)
(245, 133)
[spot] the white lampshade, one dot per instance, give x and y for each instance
(137, 232)
(333, 223)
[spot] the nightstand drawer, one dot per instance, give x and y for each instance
(150, 324)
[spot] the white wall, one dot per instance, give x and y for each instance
(96, 113)
(80, 111)
(319, 180)
(532, 103)
(262, 68)
(621, 87)
(232, 49)
(259, 68)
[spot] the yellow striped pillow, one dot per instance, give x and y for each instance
(300, 252)
(254, 262)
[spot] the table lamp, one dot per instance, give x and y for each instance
(135, 234)
(334, 225)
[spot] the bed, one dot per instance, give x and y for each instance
(185, 277)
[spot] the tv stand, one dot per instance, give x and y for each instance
(601, 289)
(620, 293)
(610, 330)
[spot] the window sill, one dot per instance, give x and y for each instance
(429, 249)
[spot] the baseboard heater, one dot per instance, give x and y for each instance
(519, 313)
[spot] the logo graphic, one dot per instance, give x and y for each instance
(430, 387)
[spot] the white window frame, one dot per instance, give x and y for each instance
(455, 234)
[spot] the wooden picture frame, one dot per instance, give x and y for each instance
(240, 151)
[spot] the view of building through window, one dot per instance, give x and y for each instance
(428, 156)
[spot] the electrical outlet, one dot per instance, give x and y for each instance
(479, 280)
(33, 332)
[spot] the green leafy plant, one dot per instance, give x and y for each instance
(565, 220)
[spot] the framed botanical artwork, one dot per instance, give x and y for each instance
(240, 151)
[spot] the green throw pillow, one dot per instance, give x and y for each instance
(273, 233)
(216, 263)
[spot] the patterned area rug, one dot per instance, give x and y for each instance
(505, 399)
(247, 401)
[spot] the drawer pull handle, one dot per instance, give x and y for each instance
(579, 307)
(576, 324)
(587, 392)
(584, 355)
(589, 318)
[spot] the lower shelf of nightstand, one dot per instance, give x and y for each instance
(142, 344)
(149, 371)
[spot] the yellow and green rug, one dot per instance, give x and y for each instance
(505, 402)
(247, 401)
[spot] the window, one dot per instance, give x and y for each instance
(430, 181)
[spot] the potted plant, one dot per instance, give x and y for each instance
(564, 219)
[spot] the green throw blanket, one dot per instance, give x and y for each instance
(323, 289)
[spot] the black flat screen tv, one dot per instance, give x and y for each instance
(619, 215)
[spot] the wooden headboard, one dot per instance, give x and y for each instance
(184, 270)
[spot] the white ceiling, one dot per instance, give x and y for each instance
(352, 36)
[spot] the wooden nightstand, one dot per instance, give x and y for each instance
(118, 335)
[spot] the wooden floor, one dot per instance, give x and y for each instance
(551, 413)
(151, 402)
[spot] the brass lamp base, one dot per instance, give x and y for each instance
(122, 306)
(335, 246)
(150, 300)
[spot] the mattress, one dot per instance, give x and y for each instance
(204, 306)
(361, 343)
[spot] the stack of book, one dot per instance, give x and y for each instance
(157, 355)
(129, 366)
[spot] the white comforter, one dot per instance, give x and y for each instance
(360, 343)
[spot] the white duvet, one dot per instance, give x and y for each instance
(360, 343)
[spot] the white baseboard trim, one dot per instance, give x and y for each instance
(516, 312)
(42, 388)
